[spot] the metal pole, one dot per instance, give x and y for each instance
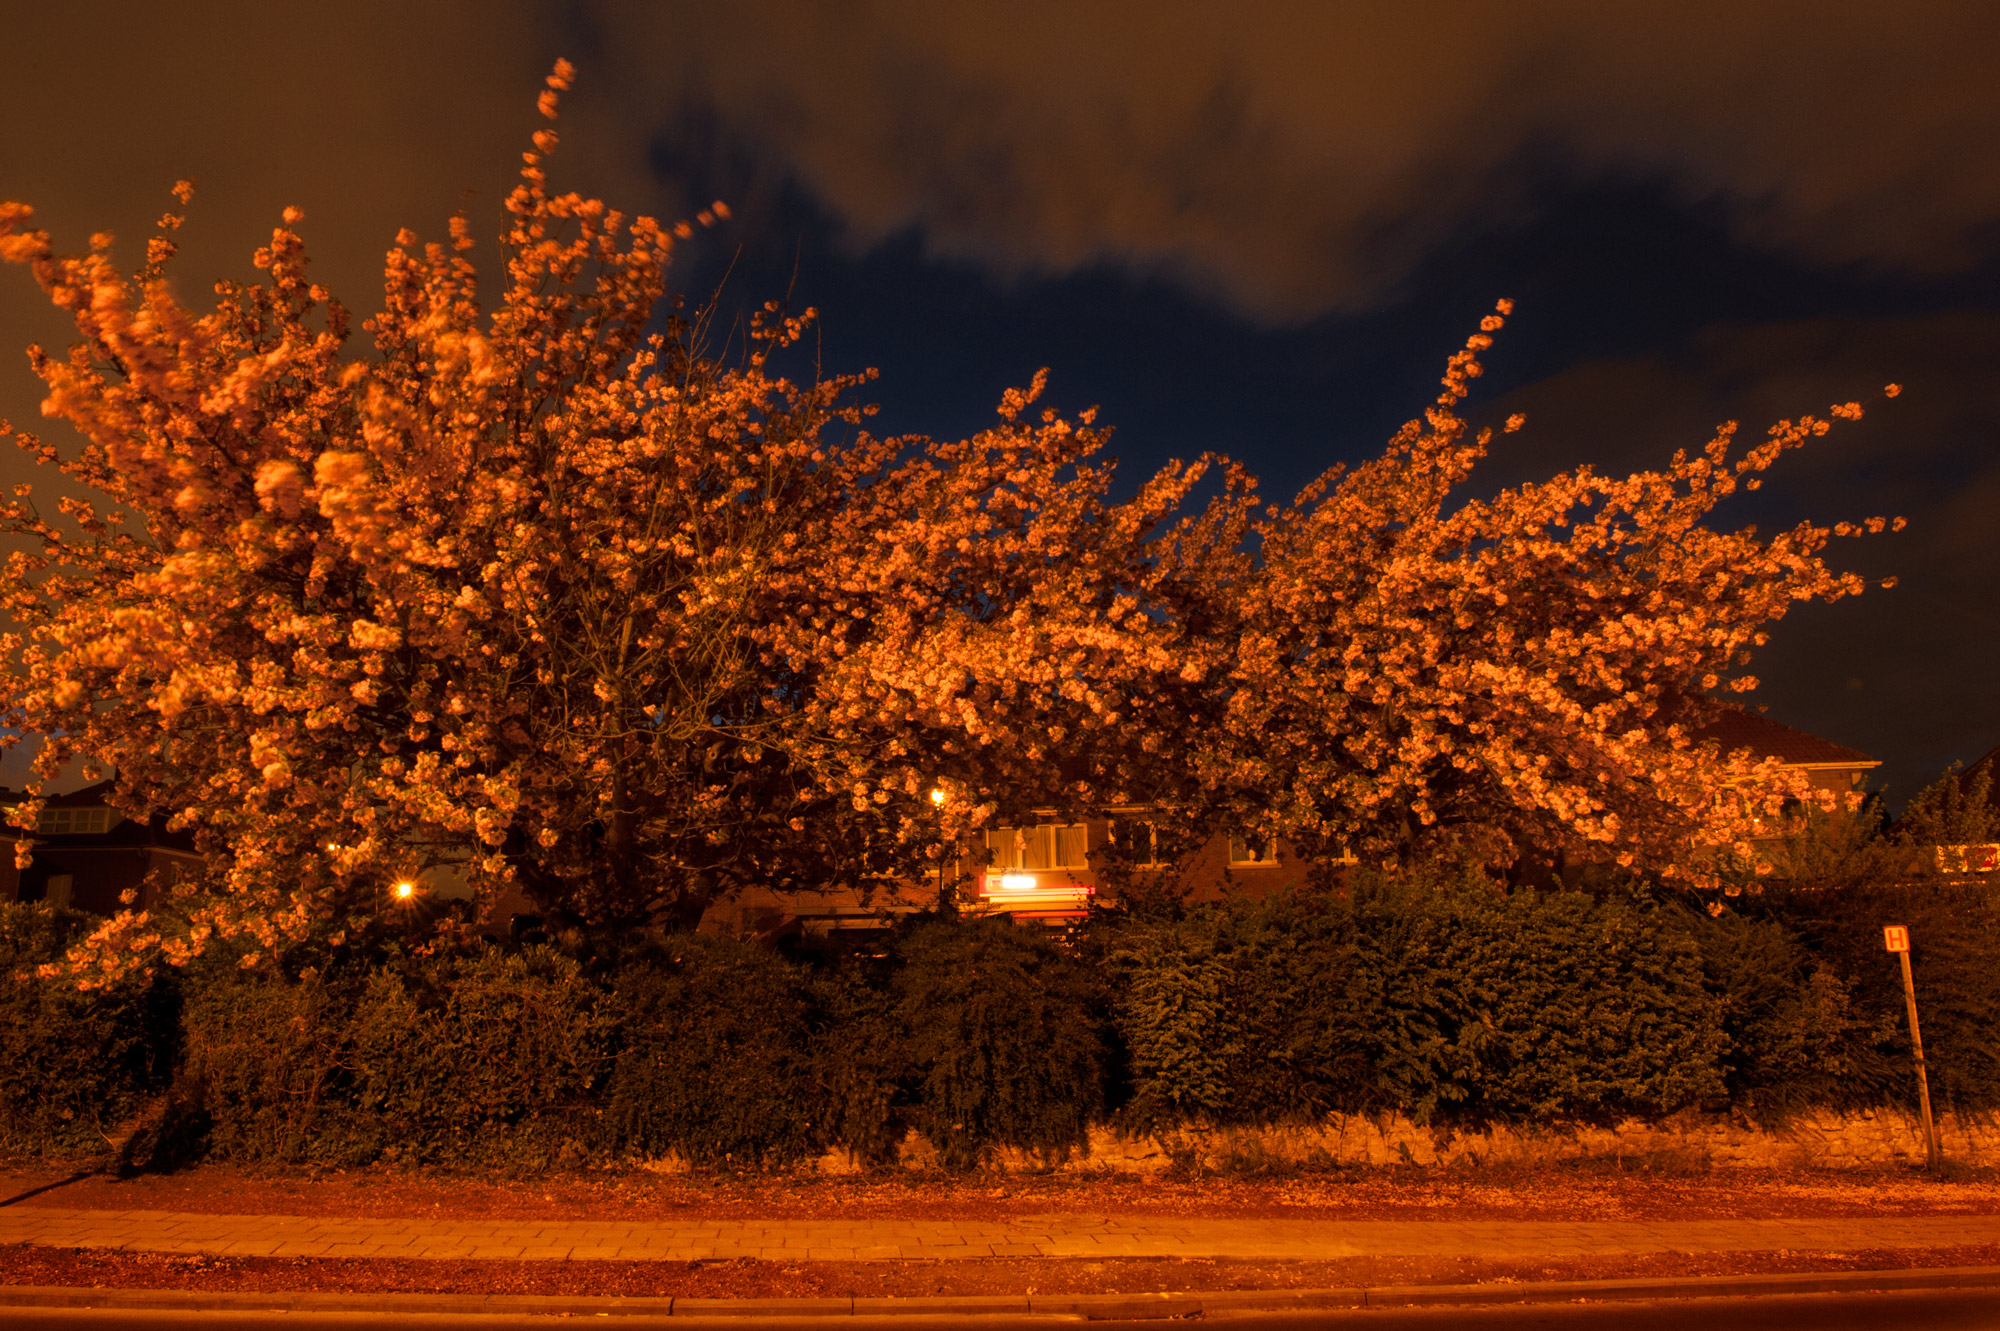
(1933, 1153)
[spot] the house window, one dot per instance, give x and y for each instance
(1252, 851)
(1044, 846)
(1140, 841)
(73, 822)
(57, 893)
(1968, 859)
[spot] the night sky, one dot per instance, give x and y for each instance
(1251, 228)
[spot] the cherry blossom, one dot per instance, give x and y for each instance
(1517, 675)
(549, 594)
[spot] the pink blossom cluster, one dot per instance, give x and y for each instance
(1525, 673)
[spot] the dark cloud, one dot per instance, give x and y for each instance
(1296, 158)
(1289, 158)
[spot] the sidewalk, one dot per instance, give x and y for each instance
(1024, 1237)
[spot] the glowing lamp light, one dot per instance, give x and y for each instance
(1017, 882)
(405, 890)
(937, 797)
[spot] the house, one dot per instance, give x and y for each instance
(87, 854)
(1049, 872)
(1829, 766)
(1966, 821)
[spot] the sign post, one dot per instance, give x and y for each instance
(1896, 938)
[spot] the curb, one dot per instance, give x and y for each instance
(1089, 1307)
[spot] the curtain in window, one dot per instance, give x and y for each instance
(1072, 847)
(1004, 848)
(1044, 846)
(1023, 848)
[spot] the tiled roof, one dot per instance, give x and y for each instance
(122, 832)
(89, 797)
(1990, 765)
(1991, 762)
(1736, 729)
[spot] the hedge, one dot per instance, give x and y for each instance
(1438, 995)
(1446, 999)
(492, 1057)
(73, 1066)
(1002, 1039)
(716, 1056)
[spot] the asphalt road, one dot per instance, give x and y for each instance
(1945, 1310)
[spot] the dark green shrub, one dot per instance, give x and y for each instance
(1303, 997)
(1240, 1013)
(1573, 1007)
(1004, 1034)
(1439, 995)
(1958, 994)
(492, 1056)
(1181, 1032)
(73, 1064)
(1818, 1018)
(1795, 1038)
(717, 1056)
(860, 1061)
(266, 1064)
(1954, 938)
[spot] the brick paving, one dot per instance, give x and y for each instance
(1029, 1236)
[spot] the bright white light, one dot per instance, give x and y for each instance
(1017, 882)
(406, 890)
(937, 797)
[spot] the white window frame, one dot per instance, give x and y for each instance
(1123, 832)
(71, 821)
(1239, 852)
(1050, 835)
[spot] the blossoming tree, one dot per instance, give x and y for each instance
(586, 610)
(537, 594)
(1519, 675)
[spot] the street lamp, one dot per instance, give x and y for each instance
(937, 798)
